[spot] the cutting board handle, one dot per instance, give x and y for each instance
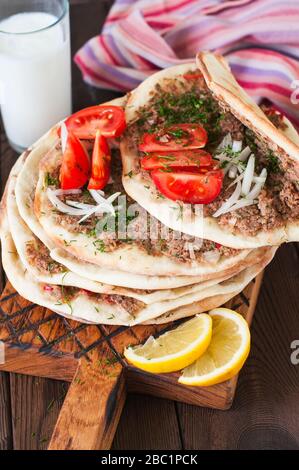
(92, 408)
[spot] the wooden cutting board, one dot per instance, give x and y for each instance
(38, 342)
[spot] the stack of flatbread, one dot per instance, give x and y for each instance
(65, 262)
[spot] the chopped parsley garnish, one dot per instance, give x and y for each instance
(188, 107)
(51, 266)
(229, 152)
(250, 140)
(68, 243)
(272, 163)
(50, 181)
(171, 158)
(99, 245)
(178, 133)
(92, 233)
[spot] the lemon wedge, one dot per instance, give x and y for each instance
(227, 351)
(174, 349)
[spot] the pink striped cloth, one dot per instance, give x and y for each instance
(260, 39)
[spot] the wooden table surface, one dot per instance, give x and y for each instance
(265, 413)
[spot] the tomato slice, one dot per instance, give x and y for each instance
(192, 75)
(110, 120)
(189, 187)
(271, 111)
(75, 168)
(101, 159)
(181, 158)
(176, 137)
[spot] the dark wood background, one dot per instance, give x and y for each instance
(265, 413)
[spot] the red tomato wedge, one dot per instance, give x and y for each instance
(192, 76)
(272, 111)
(110, 120)
(75, 168)
(101, 159)
(176, 137)
(181, 158)
(189, 187)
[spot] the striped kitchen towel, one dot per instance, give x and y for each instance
(260, 39)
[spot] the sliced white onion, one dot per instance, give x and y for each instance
(259, 179)
(239, 178)
(241, 167)
(244, 154)
(253, 194)
(61, 206)
(233, 171)
(100, 209)
(97, 195)
(66, 192)
(226, 141)
(222, 157)
(211, 256)
(237, 145)
(63, 136)
(112, 198)
(230, 201)
(241, 203)
(248, 175)
(79, 208)
(227, 168)
(79, 205)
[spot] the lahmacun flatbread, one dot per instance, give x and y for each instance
(258, 203)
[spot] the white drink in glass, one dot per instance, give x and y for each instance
(35, 75)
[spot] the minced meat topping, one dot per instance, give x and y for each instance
(66, 295)
(175, 245)
(39, 256)
(190, 101)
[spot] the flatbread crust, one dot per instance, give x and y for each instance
(90, 310)
(81, 276)
(75, 272)
(226, 90)
(127, 257)
(213, 285)
(94, 310)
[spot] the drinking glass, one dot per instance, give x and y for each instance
(35, 68)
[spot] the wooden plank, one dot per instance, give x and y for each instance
(271, 422)
(148, 423)
(40, 365)
(166, 386)
(31, 327)
(94, 12)
(266, 409)
(35, 405)
(93, 405)
(5, 413)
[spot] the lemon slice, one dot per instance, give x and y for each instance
(227, 351)
(175, 349)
